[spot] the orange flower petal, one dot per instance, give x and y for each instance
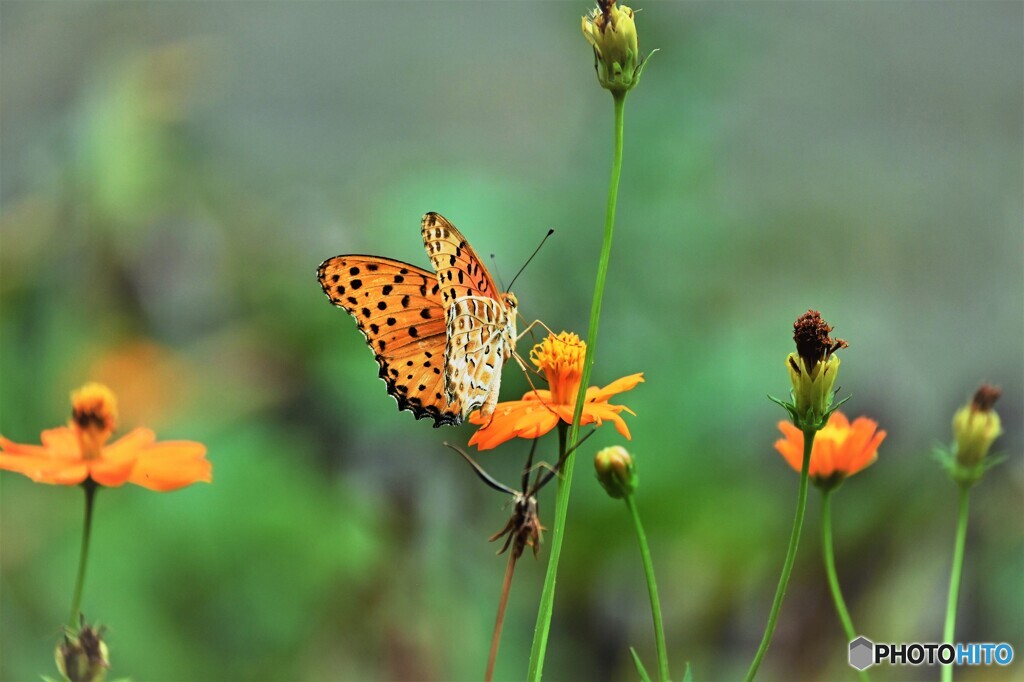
(535, 423)
(111, 473)
(11, 448)
(618, 386)
(792, 433)
(792, 446)
(45, 468)
(564, 412)
(606, 412)
(500, 429)
(129, 445)
(863, 445)
(600, 412)
(61, 442)
(67, 474)
(840, 448)
(839, 420)
(171, 465)
(823, 455)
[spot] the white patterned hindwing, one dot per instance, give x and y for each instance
(481, 336)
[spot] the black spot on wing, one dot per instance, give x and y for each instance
(412, 403)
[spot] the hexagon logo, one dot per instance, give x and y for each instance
(862, 653)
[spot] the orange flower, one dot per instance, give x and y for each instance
(71, 454)
(561, 359)
(840, 449)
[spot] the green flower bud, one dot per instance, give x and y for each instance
(84, 657)
(611, 31)
(975, 426)
(615, 471)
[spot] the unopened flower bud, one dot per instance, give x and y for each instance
(975, 426)
(615, 471)
(611, 31)
(83, 657)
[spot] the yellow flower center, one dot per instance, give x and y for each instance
(93, 417)
(561, 359)
(834, 434)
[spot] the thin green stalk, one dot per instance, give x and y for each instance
(954, 578)
(547, 599)
(652, 589)
(787, 567)
(830, 571)
(90, 495)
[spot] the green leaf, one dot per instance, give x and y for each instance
(688, 675)
(639, 666)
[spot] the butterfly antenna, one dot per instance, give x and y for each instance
(494, 266)
(550, 232)
(484, 476)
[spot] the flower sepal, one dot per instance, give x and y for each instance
(807, 421)
(965, 475)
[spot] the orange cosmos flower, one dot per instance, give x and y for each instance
(71, 454)
(561, 359)
(840, 449)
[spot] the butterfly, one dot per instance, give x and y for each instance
(440, 338)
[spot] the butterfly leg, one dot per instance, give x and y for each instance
(541, 481)
(526, 372)
(530, 327)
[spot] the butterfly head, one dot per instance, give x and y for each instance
(510, 301)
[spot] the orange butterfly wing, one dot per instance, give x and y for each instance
(481, 321)
(459, 270)
(399, 310)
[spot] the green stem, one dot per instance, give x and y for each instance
(76, 602)
(830, 571)
(787, 567)
(954, 578)
(547, 599)
(652, 589)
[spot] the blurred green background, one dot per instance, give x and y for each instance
(173, 173)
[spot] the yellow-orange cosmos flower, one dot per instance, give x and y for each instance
(71, 454)
(840, 449)
(561, 359)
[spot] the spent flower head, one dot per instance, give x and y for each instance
(976, 425)
(610, 29)
(812, 371)
(83, 657)
(523, 528)
(615, 471)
